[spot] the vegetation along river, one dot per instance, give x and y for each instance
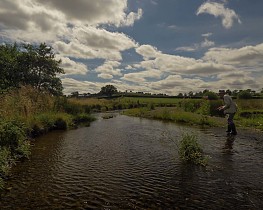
(132, 163)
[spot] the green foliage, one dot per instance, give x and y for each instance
(244, 95)
(12, 135)
(47, 121)
(108, 90)
(5, 161)
(30, 65)
(191, 151)
(211, 95)
(204, 109)
(69, 107)
(81, 118)
(191, 105)
(9, 74)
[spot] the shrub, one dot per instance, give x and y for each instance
(211, 95)
(5, 161)
(12, 134)
(244, 95)
(191, 151)
(81, 118)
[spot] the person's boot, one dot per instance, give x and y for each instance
(228, 129)
(233, 129)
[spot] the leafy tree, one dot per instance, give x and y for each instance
(108, 90)
(211, 95)
(180, 95)
(245, 94)
(9, 76)
(39, 68)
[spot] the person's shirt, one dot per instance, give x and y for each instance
(230, 106)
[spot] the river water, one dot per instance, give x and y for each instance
(132, 163)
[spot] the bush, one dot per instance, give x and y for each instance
(244, 95)
(12, 135)
(82, 118)
(211, 95)
(190, 150)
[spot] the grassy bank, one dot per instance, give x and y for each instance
(190, 111)
(203, 112)
(26, 113)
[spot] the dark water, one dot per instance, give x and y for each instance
(132, 163)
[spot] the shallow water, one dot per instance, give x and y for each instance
(132, 163)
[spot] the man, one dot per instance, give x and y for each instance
(230, 108)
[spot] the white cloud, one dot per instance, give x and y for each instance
(105, 76)
(147, 51)
(248, 56)
(92, 12)
(197, 46)
(228, 16)
(207, 35)
(142, 76)
(72, 67)
(109, 69)
(70, 85)
(187, 48)
(175, 84)
(90, 42)
(207, 43)
(131, 18)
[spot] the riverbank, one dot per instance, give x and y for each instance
(178, 115)
(25, 114)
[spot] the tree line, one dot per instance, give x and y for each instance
(29, 64)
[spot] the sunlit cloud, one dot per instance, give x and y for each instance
(228, 16)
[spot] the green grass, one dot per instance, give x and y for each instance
(27, 113)
(175, 115)
(200, 112)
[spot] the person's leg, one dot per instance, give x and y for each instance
(231, 124)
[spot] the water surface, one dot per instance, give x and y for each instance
(132, 163)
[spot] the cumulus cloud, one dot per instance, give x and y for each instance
(197, 46)
(50, 21)
(174, 84)
(72, 67)
(94, 12)
(70, 85)
(228, 16)
(142, 76)
(248, 56)
(105, 76)
(90, 43)
(147, 51)
(108, 70)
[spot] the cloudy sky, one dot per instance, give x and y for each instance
(157, 46)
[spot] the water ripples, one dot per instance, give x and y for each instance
(130, 163)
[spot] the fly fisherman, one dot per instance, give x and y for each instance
(230, 109)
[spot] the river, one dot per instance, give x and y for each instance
(132, 163)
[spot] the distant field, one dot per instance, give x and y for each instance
(152, 100)
(244, 105)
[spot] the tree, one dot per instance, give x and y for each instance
(9, 76)
(39, 68)
(108, 90)
(245, 94)
(211, 95)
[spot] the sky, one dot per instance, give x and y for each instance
(152, 46)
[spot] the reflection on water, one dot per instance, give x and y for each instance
(131, 163)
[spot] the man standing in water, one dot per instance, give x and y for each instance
(230, 108)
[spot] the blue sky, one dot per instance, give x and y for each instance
(157, 46)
